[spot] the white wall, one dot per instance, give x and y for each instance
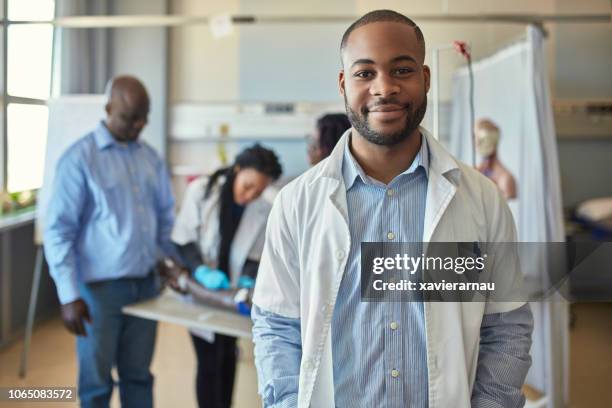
(142, 52)
(584, 53)
(292, 61)
(583, 60)
(202, 68)
(302, 60)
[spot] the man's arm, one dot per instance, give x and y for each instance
(506, 328)
(189, 255)
(62, 225)
(165, 212)
(503, 359)
(278, 351)
(61, 230)
(276, 311)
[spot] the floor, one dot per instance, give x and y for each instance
(591, 356)
(52, 362)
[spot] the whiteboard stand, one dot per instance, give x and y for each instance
(31, 311)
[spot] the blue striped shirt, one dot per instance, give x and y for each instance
(110, 213)
(379, 347)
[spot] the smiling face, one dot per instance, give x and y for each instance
(384, 82)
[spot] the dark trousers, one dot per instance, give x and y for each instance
(216, 371)
(116, 339)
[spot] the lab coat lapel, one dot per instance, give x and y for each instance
(331, 171)
(440, 190)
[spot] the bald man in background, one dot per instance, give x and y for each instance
(109, 220)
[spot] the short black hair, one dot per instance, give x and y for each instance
(331, 127)
(388, 16)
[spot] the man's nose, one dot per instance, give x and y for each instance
(384, 86)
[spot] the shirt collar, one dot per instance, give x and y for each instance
(104, 138)
(351, 170)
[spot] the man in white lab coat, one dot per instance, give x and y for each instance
(317, 344)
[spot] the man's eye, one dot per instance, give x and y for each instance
(363, 74)
(404, 71)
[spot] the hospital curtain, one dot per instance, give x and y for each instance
(511, 88)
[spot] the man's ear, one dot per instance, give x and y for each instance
(341, 82)
(427, 77)
(107, 108)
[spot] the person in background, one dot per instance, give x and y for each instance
(328, 130)
(219, 234)
(487, 136)
(109, 220)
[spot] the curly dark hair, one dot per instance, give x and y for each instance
(331, 127)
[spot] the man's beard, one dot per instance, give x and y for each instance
(361, 125)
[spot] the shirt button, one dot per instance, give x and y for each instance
(390, 192)
(393, 325)
(390, 236)
(394, 373)
(340, 254)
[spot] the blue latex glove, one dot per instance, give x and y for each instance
(212, 279)
(243, 308)
(246, 282)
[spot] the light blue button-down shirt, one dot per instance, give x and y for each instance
(110, 214)
(379, 353)
(386, 339)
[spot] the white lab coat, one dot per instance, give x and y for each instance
(305, 255)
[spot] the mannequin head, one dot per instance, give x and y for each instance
(486, 134)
